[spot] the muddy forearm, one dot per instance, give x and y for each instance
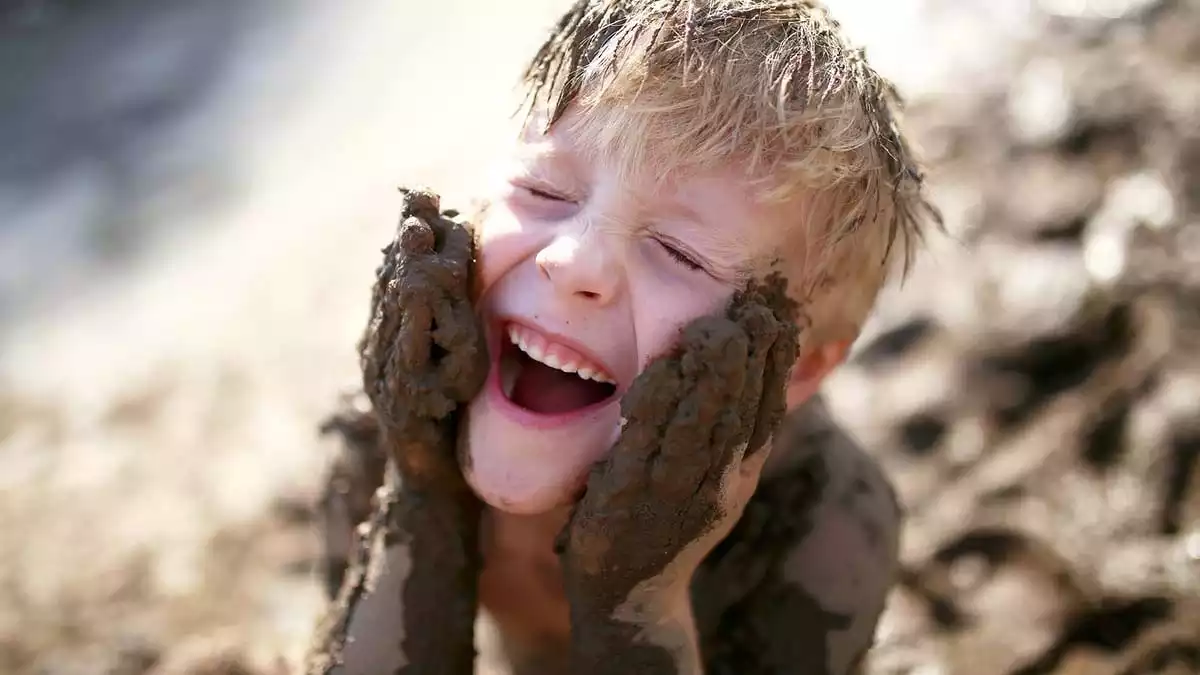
(613, 648)
(408, 604)
(654, 643)
(440, 598)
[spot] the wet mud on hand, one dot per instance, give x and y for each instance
(422, 355)
(687, 423)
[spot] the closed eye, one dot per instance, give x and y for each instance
(540, 193)
(679, 255)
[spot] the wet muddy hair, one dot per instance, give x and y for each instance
(773, 85)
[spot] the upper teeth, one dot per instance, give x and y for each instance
(556, 356)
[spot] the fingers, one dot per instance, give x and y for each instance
(645, 410)
(463, 368)
(620, 495)
(761, 329)
(425, 230)
(656, 388)
(781, 358)
(423, 350)
(412, 338)
(768, 317)
(421, 203)
(415, 237)
(457, 247)
(713, 369)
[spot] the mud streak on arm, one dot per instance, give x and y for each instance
(398, 612)
(606, 646)
(799, 584)
(797, 587)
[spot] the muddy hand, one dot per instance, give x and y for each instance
(670, 487)
(423, 353)
(409, 598)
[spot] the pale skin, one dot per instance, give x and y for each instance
(601, 269)
(611, 265)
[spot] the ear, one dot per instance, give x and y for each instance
(812, 367)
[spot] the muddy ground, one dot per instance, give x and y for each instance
(1036, 394)
(1033, 389)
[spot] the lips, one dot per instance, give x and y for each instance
(544, 380)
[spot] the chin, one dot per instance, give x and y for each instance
(528, 469)
(520, 500)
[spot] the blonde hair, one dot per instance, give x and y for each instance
(771, 84)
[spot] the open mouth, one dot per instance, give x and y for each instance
(548, 378)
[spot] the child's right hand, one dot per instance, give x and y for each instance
(423, 353)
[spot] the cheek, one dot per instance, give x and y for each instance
(661, 310)
(502, 242)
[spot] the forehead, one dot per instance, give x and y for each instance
(582, 140)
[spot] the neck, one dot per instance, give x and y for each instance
(521, 585)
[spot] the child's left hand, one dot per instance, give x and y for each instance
(693, 440)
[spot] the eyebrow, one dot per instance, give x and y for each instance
(549, 163)
(538, 149)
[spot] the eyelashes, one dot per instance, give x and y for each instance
(538, 189)
(541, 201)
(538, 193)
(679, 256)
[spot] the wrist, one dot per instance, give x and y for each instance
(426, 514)
(633, 596)
(422, 452)
(655, 637)
(435, 511)
(645, 627)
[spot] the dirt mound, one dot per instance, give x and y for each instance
(1040, 418)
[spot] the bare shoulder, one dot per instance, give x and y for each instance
(799, 584)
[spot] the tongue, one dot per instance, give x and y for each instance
(546, 390)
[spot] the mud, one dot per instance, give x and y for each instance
(423, 354)
(763, 599)
(755, 608)
(783, 320)
(1035, 410)
(750, 619)
(1044, 444)
(332, 633)
(686, 424)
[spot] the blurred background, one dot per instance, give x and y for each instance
(192, 199)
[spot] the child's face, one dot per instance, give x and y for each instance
(594, 272)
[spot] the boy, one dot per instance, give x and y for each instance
(693, 225)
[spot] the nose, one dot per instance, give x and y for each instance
(583, 266)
